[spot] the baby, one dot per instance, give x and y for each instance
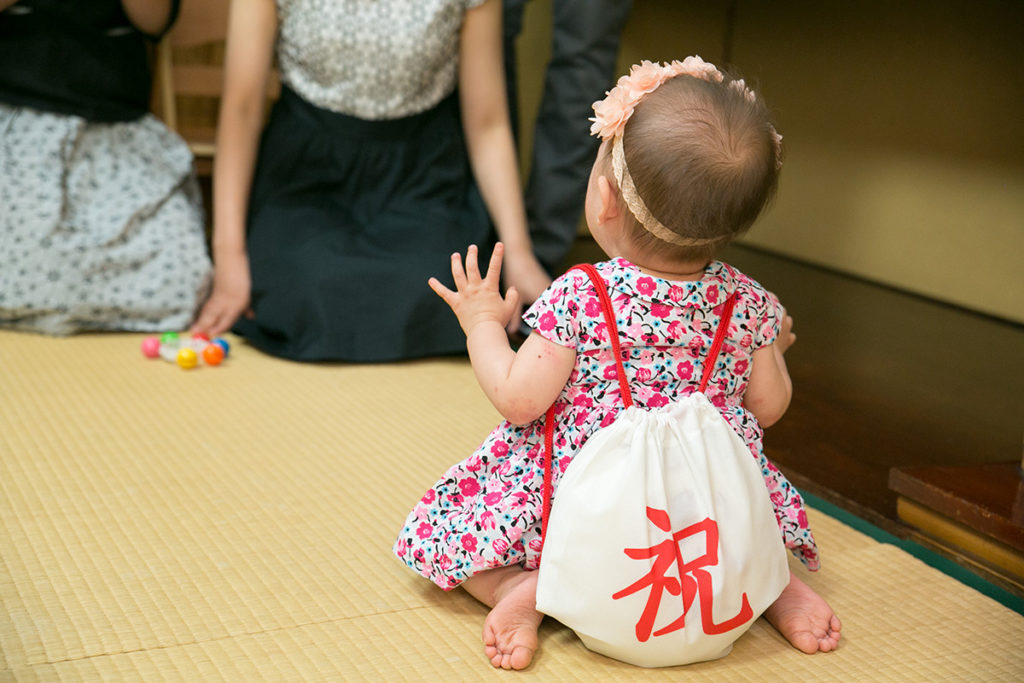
(688, 161)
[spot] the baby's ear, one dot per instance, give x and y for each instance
(609, 200)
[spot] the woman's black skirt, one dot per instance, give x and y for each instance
(348, 219)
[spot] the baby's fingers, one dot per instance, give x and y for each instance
(448, 295)
(511, 302)
(458, 274)
(494, 267)
(472, 264)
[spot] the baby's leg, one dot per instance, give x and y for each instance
(804, 618)
(510, 630)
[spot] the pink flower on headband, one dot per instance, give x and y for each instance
(777, 140)
(740, 86)
(611, 113)
(696, 67)
(643, 78)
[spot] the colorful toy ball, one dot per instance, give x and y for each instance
(188, 351)
(187, 358)
(213, 354)
(151, 347)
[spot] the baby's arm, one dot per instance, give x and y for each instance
(520, 385)
(770, 389)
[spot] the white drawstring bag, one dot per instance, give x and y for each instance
(661, 547)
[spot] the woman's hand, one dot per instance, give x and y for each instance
(478, 300)
(230, 297)
(524, 272)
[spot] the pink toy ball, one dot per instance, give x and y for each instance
(151, 347)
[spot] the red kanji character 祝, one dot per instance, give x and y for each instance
(693, 579)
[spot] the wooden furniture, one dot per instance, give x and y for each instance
(972, 509)
(190, 74)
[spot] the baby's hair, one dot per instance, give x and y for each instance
(704, 159)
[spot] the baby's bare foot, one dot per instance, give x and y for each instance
(510, 630)
(804, 618)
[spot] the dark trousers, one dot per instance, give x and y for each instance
(585, 46)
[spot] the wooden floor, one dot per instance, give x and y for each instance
(883, 379)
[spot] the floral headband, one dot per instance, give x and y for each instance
(609, 122)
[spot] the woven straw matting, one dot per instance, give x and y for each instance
(235, 523)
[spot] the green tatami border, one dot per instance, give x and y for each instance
(929, 557)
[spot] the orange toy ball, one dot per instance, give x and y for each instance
(213, 354)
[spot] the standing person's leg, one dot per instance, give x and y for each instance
(512, 26)
(585, 46)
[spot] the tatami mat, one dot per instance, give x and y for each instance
(235, 523)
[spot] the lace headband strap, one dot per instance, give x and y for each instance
(640, 211)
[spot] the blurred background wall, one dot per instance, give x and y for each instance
(903, 126)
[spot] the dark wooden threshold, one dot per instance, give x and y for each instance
(986, 498)
(973, 511)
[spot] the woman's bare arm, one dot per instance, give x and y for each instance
(491, 149)
(252, 28)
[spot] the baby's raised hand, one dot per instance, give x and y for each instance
(478, 299)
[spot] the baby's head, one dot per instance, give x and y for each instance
(693, 154)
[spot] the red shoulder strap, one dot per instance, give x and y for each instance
(716, 345)
(613, 329)
(620, 371)
(549, 419)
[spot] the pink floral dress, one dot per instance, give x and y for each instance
(485, 511)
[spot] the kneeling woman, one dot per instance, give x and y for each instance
(392, 115)
(101, 222)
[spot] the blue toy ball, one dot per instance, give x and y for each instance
(222, 343)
